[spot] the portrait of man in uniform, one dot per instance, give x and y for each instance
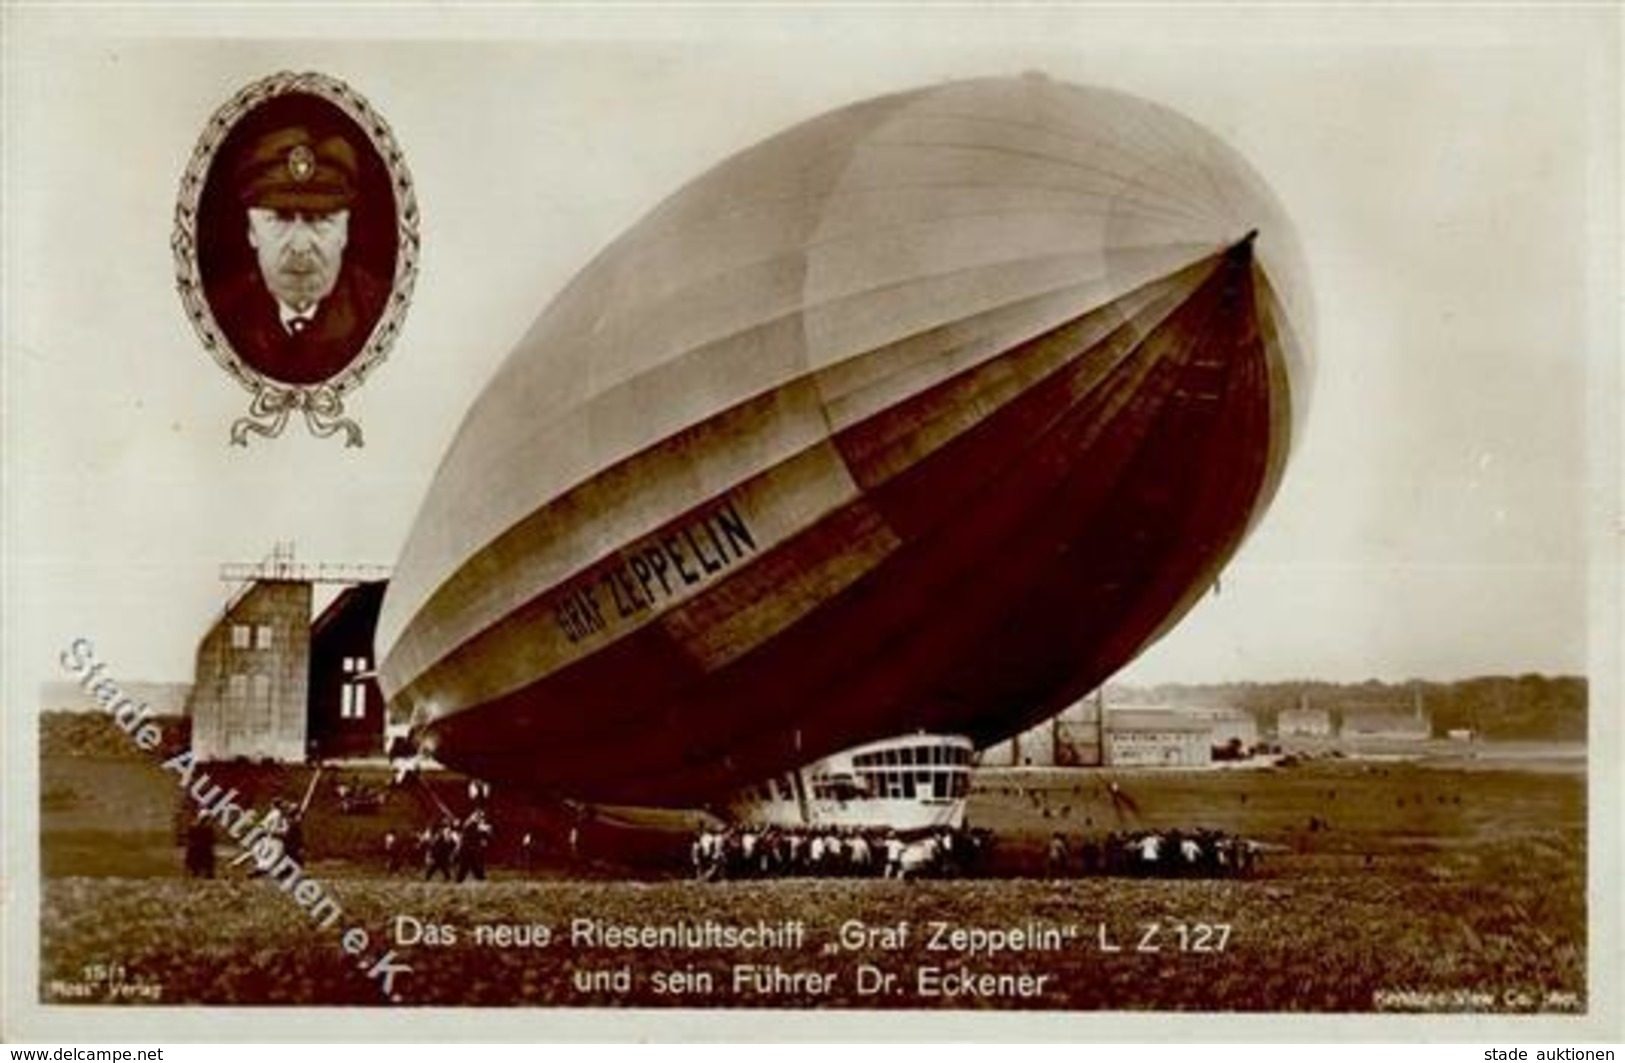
(302, 310)
(296, 243)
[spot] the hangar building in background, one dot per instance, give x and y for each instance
(274, 680)
(1157, 738)
(1070, 739)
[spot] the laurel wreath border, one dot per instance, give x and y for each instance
(273, 401)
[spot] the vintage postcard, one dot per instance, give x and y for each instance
(799, 522)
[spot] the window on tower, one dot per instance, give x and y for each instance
(353, 695)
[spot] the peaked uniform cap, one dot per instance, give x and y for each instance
(291, 169)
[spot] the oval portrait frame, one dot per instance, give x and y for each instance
(274, 401)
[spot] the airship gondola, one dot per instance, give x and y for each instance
(927, 414)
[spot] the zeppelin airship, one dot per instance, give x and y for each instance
(925, 415)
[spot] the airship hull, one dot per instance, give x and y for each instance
(949, 486)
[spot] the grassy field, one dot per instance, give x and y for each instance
(1461, 884)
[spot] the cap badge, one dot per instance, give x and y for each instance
(301, 163)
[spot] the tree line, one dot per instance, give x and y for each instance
(1525, 707)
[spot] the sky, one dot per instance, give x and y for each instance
(1453, 177)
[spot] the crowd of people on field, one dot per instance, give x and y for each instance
(454, 849)
(1172, 853)
(278, 833)
(761, 851)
